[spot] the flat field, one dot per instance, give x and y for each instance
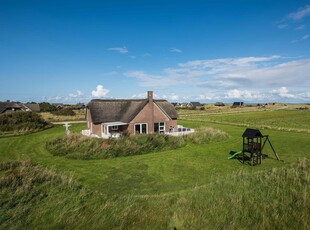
(193, 187)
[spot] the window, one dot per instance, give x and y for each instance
(140, 128)
(159, 127)
(114, 127)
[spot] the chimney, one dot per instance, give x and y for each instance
(151, 106)
(150, 96)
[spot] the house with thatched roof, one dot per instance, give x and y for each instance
(9, 107)
(111, 118)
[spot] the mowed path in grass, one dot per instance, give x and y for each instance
(157, 173)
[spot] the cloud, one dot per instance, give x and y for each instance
(143, 96)
(301, 27)
(283, 92)
(305, 37)
(123, 50)
(146, 55)
(77, 94)
(110, 74)
(247, 78)
(148, 80)
(282, 26)
(300, 13)
(175, 50)
(245, 95)
(99, 92)
(293, 18)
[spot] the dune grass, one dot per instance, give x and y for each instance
(32, 196)
(77, 146)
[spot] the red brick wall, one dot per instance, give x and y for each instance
(145, 116)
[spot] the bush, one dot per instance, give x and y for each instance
(64, 112)
(47, 107)
(21, 122)
(81, 147)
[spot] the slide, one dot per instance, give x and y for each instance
(235, 154)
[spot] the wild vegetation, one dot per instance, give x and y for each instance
(21, 123)
(79, 115)
(81, 147)
(64, 112)
(191, 187)
(277, 199)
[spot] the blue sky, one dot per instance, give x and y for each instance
(74, 51)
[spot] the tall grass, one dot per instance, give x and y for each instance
(34, 197)
(81, 147)
(21, 122)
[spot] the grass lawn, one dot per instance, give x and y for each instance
(289, 120)
(153, 190)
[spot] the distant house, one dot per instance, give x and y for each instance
(59, 105)
(9, 107)
(34, 107)
(184, 104)
(110, 118)
(194, 104)
(219, 104)
(238, 104)
(80, 106)
(175, 104)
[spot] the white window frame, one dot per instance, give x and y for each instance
(161, 128)
(140, 124)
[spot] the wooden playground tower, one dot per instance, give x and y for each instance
(254, 143)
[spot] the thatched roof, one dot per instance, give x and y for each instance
(9, 106)
(103, 111)
(35, 107)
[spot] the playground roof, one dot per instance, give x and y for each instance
(252, 133)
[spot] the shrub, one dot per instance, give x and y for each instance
(64, 112)
(21, 122)
(81, 147)
(47, 107)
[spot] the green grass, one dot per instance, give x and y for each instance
(290, 120)
(193, 187)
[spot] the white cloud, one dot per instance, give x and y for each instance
(99, 92)
(247, 78)
(132, 57)
(148, 80)
(245, 95)
(283, 92)
(305, 37)
(147, 55)
(282, 26)
(171, 97)
(175, 50)
(300, 13)
(301, 27)
(77, 94)
(122, 50)
(110, 74)
(143, 96)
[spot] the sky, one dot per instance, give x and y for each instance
(73, 51)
